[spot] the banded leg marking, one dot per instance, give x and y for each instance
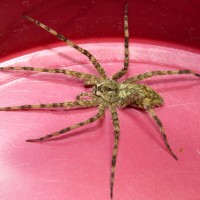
(159, 73)
(126, 50)
(69, 104)
(80, 75)
(157, 120)
(92, 59)
(116, 126)
(88, 121)
(84, 94)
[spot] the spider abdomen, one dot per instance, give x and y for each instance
(139, 95)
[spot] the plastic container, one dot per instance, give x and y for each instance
(77, 166)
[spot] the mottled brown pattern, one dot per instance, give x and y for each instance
(106, 93)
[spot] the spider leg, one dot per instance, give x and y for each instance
(81, 75)
(126, 44)
(84, 94)
(69, 104)
(88, 121)
(115, 121)
(159, 73)
(157, 120)
(92, 59)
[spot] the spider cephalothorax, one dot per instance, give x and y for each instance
(107, 93)
(108, 90)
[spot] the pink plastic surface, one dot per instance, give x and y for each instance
(77, 166)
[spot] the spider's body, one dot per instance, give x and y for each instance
(122, 95)
(107, 93)
(139, 96)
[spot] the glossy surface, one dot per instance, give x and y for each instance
(176, 21)
(77, 166)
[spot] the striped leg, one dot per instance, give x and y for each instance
(155, 117)
(88, 121)
(81, 75)
(115, 121)
(84, 94)
(70, 43)
(159, 73)
(126, 35)
(69, 104)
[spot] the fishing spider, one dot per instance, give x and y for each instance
(107, 93)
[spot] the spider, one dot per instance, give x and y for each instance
(107, 92)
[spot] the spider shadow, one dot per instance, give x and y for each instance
(188, 83)
(63, 79)
(91, 69)
(43, 77)
(72, 110)
(74, 60)
(56, 111)
(156, 128)
(88, 129)
(76, 133)
(166, 89)
(145, 128)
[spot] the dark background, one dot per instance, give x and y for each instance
(176, 21)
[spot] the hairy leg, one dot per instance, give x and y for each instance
(159, 73)
(70, 43)
(88, 121)
(84, 94)
(126, 44)
(69, 104)
(116, 126)
(81, 75)
(155, 117)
